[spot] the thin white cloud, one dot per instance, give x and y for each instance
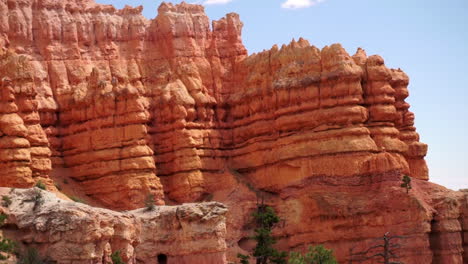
(216, 2)
(296, 4)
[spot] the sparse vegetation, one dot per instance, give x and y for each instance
(31, 256)
(37, 199)
(316, 255)
(58, 186)
(244, 259)
(6, 201)
(242, 179)
(149, 202)
(116, 258)
(102, 84)
(208, 197)
(65, 181)
(3, 217)
(77, 200)
(41, 185)
(406, 183)
(7, 246)
(266, 219)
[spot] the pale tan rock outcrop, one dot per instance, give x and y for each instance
(69, 232)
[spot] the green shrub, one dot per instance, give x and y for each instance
(244, 259)
(266, 219)
(3, 217)
(6, 201)
(316, 255)
(37, 199)
(6, 245)
(149, 202)
(77, 200)
(116, 258)
(31, 256)
(41, 185)
(406, 183)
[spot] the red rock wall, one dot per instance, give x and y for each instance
(303, 112)
(447, 226)
(464, 225)
(120, 96)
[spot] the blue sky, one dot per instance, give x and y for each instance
(428, 39)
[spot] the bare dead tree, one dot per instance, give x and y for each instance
(383, 252)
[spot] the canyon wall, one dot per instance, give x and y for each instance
(123, 107)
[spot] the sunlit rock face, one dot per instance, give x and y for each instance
(106, 96)
(69, 232)
(174, 107)
(124, 103)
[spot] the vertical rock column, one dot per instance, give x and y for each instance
(183, 81)
(23, 141)
(379, 98)
(15, 155)
(405, 124)
(105, 145)
(446, 236)
(40, 153)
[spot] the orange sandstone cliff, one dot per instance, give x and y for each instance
(119, 107)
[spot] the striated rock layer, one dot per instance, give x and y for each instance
(173, 107)
(118, 97)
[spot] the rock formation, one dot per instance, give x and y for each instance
(124, 107)
(69, 232)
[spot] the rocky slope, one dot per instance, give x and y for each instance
(69, 232)
(120, 107)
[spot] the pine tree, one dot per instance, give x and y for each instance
(406, 183)
(264, 252)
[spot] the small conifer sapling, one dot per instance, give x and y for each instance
(406, 183)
